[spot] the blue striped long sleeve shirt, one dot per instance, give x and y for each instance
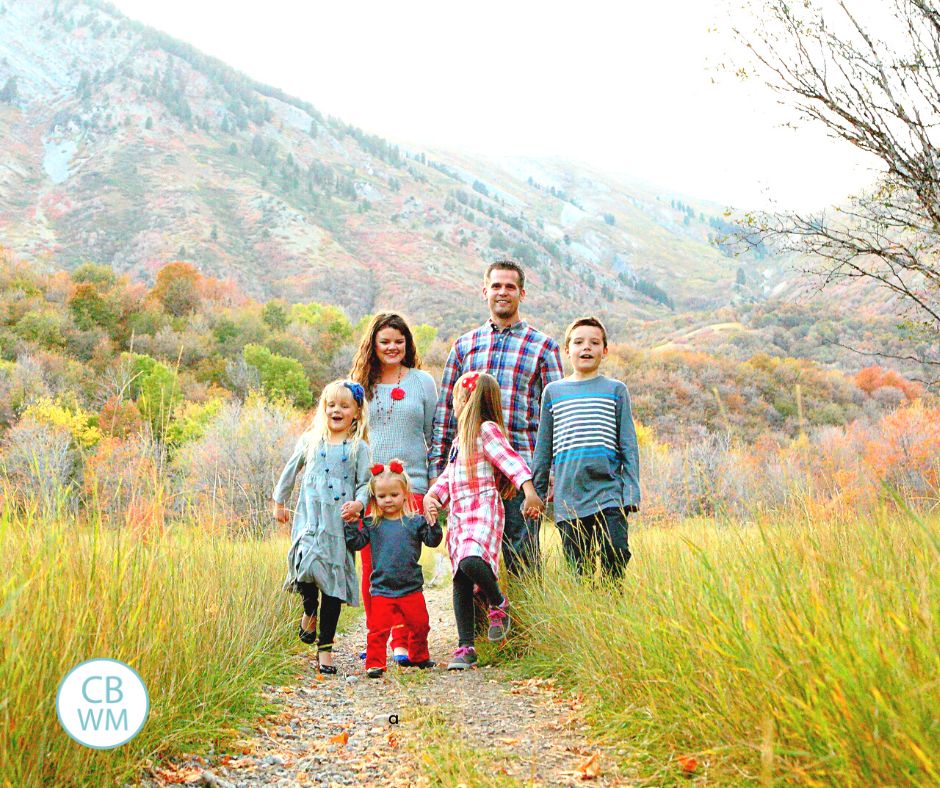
(587, 437)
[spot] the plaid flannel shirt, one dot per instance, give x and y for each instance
(522, 359)
(475, 522)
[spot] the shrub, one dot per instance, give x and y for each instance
(123, 482)
(231, 470)
(279, 376)
(41, 463)
(79, 424)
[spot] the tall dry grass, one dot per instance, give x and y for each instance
(794, 651)
(200, 616)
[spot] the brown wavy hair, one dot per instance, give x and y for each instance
(366, 365)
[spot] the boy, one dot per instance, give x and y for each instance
(586, 435)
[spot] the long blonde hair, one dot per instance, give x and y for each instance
(319, 430)
(484, 403)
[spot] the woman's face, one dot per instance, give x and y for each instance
(390, 346)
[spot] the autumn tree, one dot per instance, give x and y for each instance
(869, 74)
(178, 288)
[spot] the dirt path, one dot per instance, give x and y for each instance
(472, 727)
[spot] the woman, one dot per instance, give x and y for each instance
(402, 399)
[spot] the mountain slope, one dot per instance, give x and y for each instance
(123, 146)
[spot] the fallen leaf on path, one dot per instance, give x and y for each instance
(179, 776)
(392, 740)
(340, 738)
(590, 768)
(687, 763)
(509, 742)
(241, 763)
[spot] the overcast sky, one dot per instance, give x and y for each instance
(625, 87)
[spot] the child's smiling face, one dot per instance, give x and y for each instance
(586, 349)
(340, 409)
(389, 496)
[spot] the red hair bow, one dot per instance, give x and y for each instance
(394, 466)
(470, 381)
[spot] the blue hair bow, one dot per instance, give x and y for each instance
(358, 392)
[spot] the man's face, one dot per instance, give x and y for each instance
(503, 294)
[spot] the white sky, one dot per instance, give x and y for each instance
(622, 86)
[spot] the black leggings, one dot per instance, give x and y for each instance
(329, 613)
(471, 571)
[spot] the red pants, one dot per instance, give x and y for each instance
(399, 628)
(413, 611)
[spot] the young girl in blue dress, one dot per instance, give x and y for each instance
(334, 452)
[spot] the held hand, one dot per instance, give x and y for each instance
(532, 506)
(280, 512)
(432, 507)
(351, 510)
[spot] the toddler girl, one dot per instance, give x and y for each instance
(482, 470)
(335, 453)
(396, 534)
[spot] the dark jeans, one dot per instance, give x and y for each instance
(471, 571)
(520, 538)
(329, 613)
(607, 531)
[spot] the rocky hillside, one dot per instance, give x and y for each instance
(121, 145)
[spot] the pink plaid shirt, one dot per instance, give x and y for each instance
(475, 519)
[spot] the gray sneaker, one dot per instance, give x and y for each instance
(499, 621)
(464, 657)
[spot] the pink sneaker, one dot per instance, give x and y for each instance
(499, 621)
(464, 657)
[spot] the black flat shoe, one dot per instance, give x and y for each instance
(306, 636)
(328, 670)
(428, 663)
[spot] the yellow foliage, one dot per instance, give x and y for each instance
(78, 423)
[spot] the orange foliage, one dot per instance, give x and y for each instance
(123, 484)
(906, 454)
(874, 377)
(119, 418)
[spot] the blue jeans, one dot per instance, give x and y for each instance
(520, 538)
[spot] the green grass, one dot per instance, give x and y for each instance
(792, 652)
(201, 617)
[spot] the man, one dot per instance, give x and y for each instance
(524, 361)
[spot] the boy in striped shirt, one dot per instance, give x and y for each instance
(587, 438)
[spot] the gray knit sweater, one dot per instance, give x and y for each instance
(402, 428)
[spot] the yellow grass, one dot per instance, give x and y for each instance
(202, 618)
(791, 652)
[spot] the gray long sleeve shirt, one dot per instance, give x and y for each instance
(402, 428)
(586, 435)
(396, 549)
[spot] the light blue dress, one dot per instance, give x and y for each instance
(337, 473)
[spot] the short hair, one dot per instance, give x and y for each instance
(585, 321)
(505, 264)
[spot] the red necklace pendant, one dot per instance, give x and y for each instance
(398, 393)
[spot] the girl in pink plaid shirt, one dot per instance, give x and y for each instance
(473, 486)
